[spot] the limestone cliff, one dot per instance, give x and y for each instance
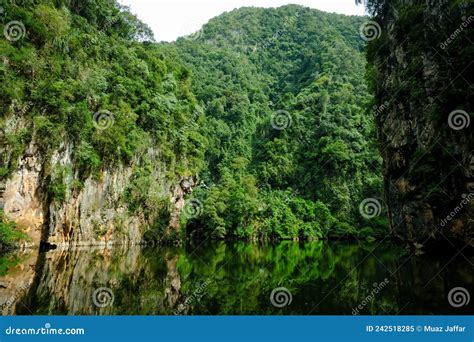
(98, 126)
(422, 77)
(94, 213)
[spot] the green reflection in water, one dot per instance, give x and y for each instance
(238, 278)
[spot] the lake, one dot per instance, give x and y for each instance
(246, 278)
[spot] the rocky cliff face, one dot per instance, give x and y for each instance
(422, 77)
(94, 213)
(94, 144)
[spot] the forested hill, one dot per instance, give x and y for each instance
(264, 112)
(291, 135)
(98, 128)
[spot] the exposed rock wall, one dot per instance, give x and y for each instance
(93, 214)
(422, 77)
(21, 198)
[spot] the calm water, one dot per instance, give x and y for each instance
(220, 278)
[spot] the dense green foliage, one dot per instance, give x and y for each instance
(301, 71)
(7, 262)
(88, 73)
(77, 59)
(10, 233)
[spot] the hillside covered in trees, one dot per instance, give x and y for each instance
(289, 123)
(98, 126)
(266, 124)
(264, 115)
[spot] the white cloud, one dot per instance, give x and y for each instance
(170, 19)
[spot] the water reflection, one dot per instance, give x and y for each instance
(220, 278)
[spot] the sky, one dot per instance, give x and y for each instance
(170, 19)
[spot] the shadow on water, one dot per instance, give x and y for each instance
(239, 278)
